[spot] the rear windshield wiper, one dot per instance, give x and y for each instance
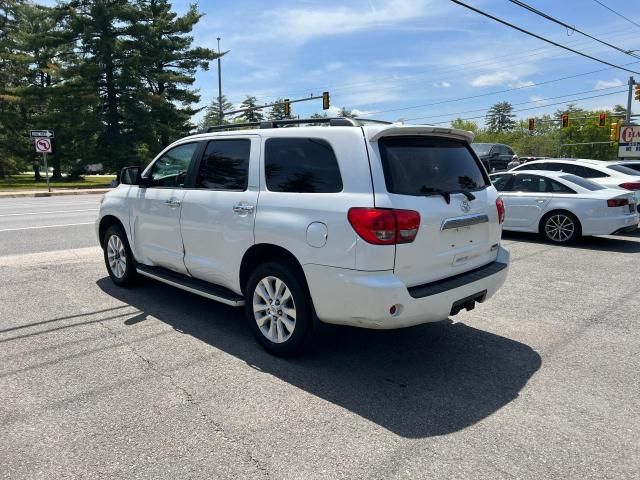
(470, 196)
(427, 192)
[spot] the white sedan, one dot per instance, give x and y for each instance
(563, 207)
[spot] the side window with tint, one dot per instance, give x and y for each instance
(501, 182)
(557, 187)
(170, 170)
(586, 172)
(225, 165)
(301, 165)
(553, 167)
(528, 183)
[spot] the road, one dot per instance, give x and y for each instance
(155, 383)
(29, 225)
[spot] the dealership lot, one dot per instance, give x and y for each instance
(153, 382)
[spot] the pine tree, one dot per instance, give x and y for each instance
(212, 113)
(499, 118)
(252, 115)
(163, 58)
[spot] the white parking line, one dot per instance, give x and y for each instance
(45, 226)
(44, 213)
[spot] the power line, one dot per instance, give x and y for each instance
(571, 27)
(535, 35)
(519, 103)
(480, 95)
(526, 109)
(485, 63)
(619, 14)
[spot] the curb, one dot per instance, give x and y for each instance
(55, 193)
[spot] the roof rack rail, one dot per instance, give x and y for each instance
(332, 122)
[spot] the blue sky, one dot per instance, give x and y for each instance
(384, 58)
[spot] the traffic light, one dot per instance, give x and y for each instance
(602, 121)
(637, 95)
(287, 107)
(532, 124)
(325, 100)
(613, 135)
(565, 121)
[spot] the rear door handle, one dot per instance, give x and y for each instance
(172, 203)
(243, 208)
(541, 200)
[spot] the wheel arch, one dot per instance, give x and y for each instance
(106, 222)
(558, 210)
(264, 252)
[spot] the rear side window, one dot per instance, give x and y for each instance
(633, 166)
(225, 165)
(583, 182)
(624, 169)
(585, 172)
(301, 165)
(424, 165)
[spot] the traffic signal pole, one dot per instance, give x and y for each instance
(631, 84)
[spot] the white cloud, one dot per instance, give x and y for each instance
(333, 66)
(507, 78)
(600, 84)
(442, 84)
(521, 84)
(539, 100)
(304, 24)
(493, 79)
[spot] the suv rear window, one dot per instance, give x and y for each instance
(301, 165)
(423, 165)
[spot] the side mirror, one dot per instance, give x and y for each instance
(132, 176)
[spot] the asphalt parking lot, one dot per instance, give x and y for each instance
(101, 382)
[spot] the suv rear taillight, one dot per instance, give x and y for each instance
(630, 185)
(500, 207)
(617, 202)
(384, 226)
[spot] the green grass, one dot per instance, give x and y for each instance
(27, 182)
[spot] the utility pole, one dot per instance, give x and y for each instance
(220, 114)
(631, 84)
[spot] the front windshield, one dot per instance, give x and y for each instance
(481, 148)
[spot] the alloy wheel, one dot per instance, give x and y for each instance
(560, 228)
(274, 309)
(116, 256)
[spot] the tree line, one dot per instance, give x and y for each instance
(113, 78)
(548, 138)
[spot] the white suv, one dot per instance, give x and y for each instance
(376, 226)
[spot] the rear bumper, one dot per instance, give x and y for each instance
(363, 299)
(608, 225)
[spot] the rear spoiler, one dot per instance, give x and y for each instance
(375, 133)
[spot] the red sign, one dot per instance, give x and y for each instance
(43, 145)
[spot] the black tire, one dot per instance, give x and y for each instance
(122, 275)
(276, 316)
(560, 227)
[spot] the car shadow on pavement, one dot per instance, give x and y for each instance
(614, 244)
(418, 382)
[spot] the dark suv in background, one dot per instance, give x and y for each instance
(494, 156)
